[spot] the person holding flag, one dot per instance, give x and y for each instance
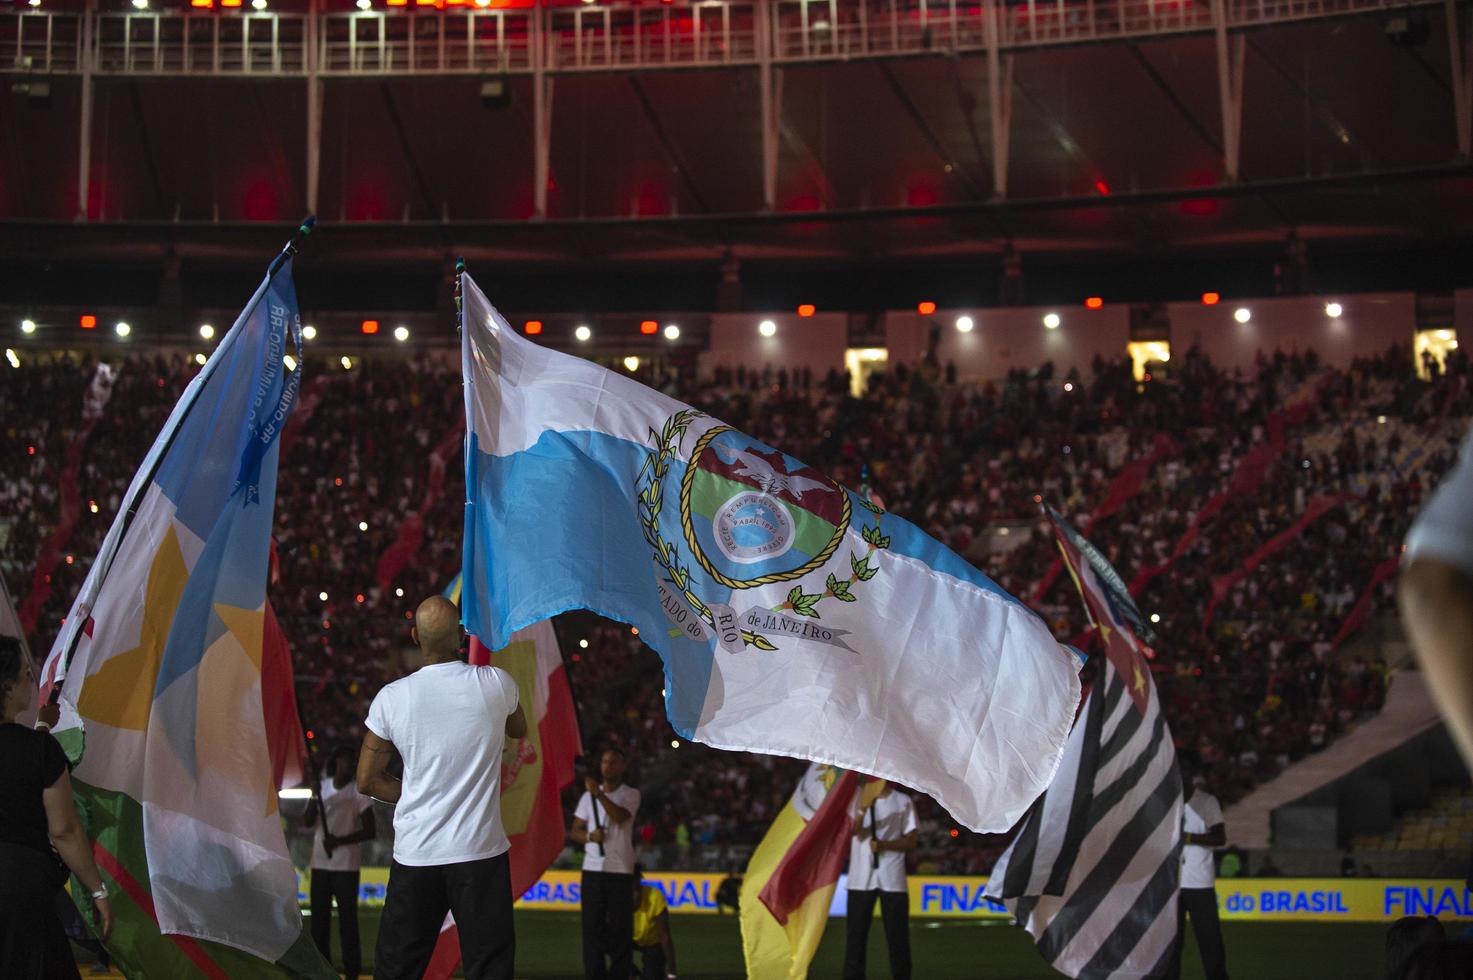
(449, 721)
(886, 830)
(346, 820)
(604, 824)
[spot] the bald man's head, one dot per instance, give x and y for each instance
(437, 628)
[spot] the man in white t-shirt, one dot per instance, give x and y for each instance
(348, 816)
(1436, 595)
(449, 722)
(885, 831)
(1202, 830)
(604, 824)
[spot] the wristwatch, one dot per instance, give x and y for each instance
(101, 892)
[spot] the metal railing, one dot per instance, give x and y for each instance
(427, 43)
(605, 37)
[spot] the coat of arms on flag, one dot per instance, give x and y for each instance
(750, 516)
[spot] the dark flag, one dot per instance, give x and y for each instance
(1094, 870)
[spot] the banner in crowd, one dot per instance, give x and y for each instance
(1092, 873)
(1361, 611)
(1313, 511)
(1248, 476)
(412, 529)
(162, 659)
(794, 616)
(534, 768)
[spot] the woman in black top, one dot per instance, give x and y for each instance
(37, 815)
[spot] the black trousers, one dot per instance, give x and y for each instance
(895, 912)
(32, 943)
(478, 892)
(1201, 905)
(651, 963)
(342, 887)
(608, 925)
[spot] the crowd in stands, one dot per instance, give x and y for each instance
(1259, 686)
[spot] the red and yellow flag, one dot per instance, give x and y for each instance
(791, 878)
(534, 769)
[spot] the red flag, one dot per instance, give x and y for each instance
(534, 770)
(279, 706)
(818, 854)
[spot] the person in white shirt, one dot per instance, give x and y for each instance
(1202, 830)
(449, 722)
(604, 824)
(1436, 596)
(884, 832)
(348, 816)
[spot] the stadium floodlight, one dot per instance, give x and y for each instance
(672, 332)
(206, 331)
(1333, 310)
(122, 329)
(309, 332)
(964, 324)
(1242, 314)
(258, 4)
(365, 4)
(1051, 320)
(346, 362)
(28, 326)
(322, 596)
(401, 334)
(10, 356)
(583, 333)
(767, 328)
(631, 363)
(290, 362)
(200, 359)
(140, 4)
(363, 525)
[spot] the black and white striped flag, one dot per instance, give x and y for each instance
(1094, 870)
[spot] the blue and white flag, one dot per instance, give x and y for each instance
(794, 616)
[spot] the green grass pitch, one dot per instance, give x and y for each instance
(709, 947)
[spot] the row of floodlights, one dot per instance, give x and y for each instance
(583, 333)
(122, 328)
(767, 328)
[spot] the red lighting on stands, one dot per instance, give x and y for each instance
(533, 328)
(1211, 299)
(1102, 187)
(1093, 303)
(648, 326)
(926, 308)
(370, 327)
(807, 309)
(89, 322)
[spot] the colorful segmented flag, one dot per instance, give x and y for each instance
(161, 657)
